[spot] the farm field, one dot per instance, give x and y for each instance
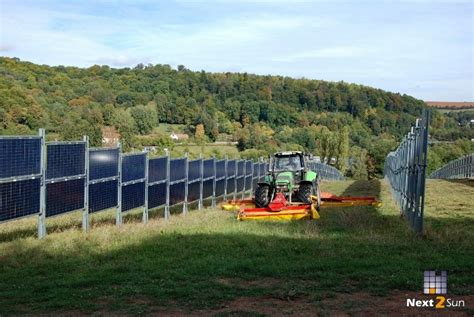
(359, 260)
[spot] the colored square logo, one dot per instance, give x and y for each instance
(435, 282)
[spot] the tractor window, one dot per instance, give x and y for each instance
(287, 163)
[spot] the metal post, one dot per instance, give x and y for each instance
(201, 182)
(85, 212)
(118, 211)
(245, 179)
(186, 173)
(145, 207)
(167, 205)
(236, 172)
(42, 211)
(213, 199)
(252, 169)
(225, 179)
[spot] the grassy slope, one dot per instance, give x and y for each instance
(207, 259)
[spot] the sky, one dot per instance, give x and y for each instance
(421, 48)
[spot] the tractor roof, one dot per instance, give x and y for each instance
(289, 153)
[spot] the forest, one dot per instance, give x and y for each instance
(348, 125)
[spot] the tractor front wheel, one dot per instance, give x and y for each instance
(304, 193)
(262, 196)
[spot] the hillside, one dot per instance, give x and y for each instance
(263, 113)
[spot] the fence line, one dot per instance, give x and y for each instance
(405, 170)
(48, 179)
(460, 168)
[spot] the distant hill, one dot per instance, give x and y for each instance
(451, 104)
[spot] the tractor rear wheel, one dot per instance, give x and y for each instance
(304, 193)
(262, 196)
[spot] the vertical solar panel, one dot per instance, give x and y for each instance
(20, 156)
(207, 188)
(133, 196)
(103, 195)
(133, 167)
(220, 169)
(220, 186)
(194, 172)
(193, 191)
(177, 193)
(157, 195)
(177, 169)
(65, 160)
(157, 169)
(19, 199)
(103, 163)
(208, 170)
(231, 168)
(103, 176)
(63, 197)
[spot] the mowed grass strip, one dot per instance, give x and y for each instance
(207, 258)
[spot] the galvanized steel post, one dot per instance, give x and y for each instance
(145, 207)
(225, 179)
(201, 182)
(118, 211)
(186, 174)
(213, 199)
(42, 211)
(85, 211)
(167, 204)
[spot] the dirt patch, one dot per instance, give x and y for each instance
(260, 283)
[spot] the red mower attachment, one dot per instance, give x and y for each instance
(280, 209)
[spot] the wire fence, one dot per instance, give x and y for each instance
(461, 168)
(405, 170)
(48, 179)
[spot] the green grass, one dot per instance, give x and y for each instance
(205, 260)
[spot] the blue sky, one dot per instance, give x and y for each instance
(421, 48)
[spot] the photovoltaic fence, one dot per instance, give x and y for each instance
(461, 168)
(20, 176)
(405, 171)
(53, 178)
(326, 171)
(65, 177)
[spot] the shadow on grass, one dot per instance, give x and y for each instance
(466, 182)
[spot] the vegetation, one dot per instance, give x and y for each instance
(262, 113)
(207, 262)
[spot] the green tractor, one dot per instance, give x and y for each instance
(289, 173)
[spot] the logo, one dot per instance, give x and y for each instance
(435, 283)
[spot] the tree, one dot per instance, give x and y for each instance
(145, 118)
(358, 167)
(125, 125)
(199, 134)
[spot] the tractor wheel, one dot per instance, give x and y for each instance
(262, 196)
(304, 193)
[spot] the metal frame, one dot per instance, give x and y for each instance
(405, 171)
(461, 168)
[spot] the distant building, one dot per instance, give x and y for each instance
(179, 136)
(110, 136)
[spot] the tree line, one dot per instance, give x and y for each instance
(350, 126)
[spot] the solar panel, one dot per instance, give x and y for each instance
(193, 191)
(133, 196)
(64, 197)
(240, 184)
(177, 169)
(103, 163)
(133, 167)
(19, 199)
(65, 160)
(220, 186)
(255, 169)
(207, 188)
(231, 168)
(177, 193)
(208, 170)
(194, 172)
(156, 195)
(220, 168)
(248, 167)
(240, 168)
(103, 195)
(157, 169)
(20, 157)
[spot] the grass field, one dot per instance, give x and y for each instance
(358, 260)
